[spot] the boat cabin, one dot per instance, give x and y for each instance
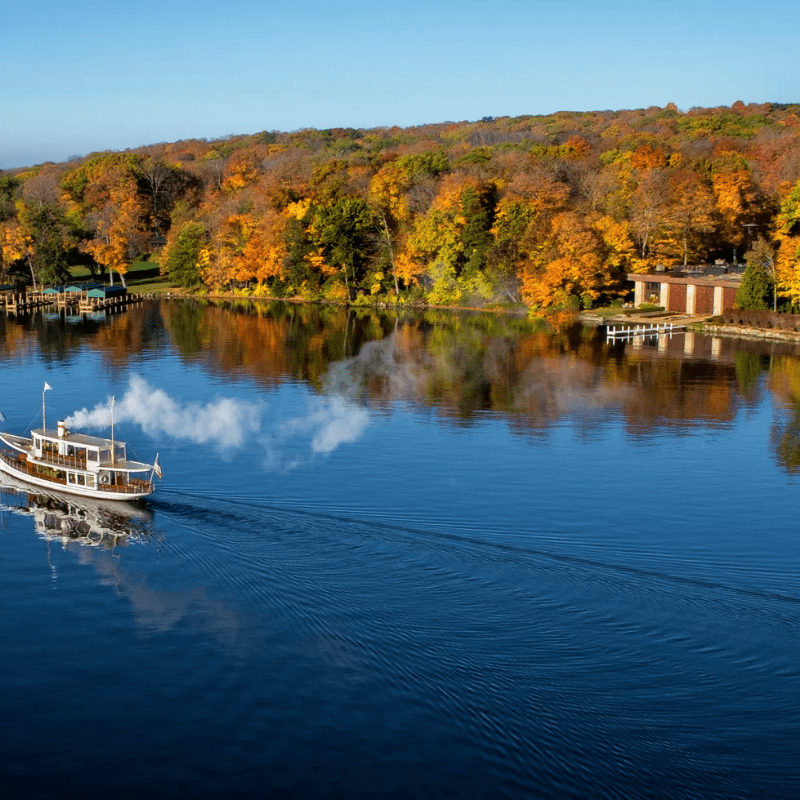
(91, 451)
(83, 460)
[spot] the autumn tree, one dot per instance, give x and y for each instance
(161, 181)
(44, 238)
(649, 205)
(739, 201)
(691, 212)
(787, 235)
(103, 197)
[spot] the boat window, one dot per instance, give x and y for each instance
(70, 477)
(119, 452)
(81, 480)
(92, 455)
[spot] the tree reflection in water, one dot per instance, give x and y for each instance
(463, 365)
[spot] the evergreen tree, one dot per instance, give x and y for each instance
(183, 261)
(755, 290)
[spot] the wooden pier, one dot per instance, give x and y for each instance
(90, 305)
(25, 302)
(81, 302)
(630, 332)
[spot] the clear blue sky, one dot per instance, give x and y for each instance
(89, 75)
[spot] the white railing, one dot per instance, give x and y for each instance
(629, 332)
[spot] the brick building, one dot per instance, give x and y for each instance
(689, 290)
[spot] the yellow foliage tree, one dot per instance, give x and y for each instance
(16, 245)
(117, 228)
(787, 235)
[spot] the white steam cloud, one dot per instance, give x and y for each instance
(228, 423)
(224, 422)
(335, 421)
(338, 417)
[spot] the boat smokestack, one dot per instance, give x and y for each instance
(62, 429)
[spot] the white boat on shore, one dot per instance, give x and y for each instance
(76, 464)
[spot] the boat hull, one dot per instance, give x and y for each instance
(80, 491)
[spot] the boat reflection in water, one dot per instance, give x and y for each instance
(71, 519)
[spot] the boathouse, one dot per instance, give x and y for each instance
(107, 292)
(81, 288)
(689, 290)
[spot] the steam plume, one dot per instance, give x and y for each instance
(334, 421)
(224, 422)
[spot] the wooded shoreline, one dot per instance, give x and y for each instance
(547, 211)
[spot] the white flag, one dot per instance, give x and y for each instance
(157, 468)
(47, 386)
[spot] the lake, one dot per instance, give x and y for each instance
(433, 555)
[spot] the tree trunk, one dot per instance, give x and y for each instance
(33, 275)
(387, 237)
(347, 284)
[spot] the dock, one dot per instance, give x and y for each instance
(88, 301)
(24, 302)
(627, 333)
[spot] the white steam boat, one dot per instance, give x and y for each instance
(76, 464)
(62, 517)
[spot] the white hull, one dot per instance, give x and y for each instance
(81, 491)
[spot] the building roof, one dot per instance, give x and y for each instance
(74, 438)
(709, 275)
(107, 291)
(83, 287)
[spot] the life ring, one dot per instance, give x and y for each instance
(104, 479)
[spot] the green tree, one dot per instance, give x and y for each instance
(755, 290)
(51, 241)
(183, 260)
(758, 285)
(8, 192)
(478, 207)
(343, 230)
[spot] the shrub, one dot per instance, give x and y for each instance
(761, 318)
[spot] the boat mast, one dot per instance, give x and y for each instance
(47, 386)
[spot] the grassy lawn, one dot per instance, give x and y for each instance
(607, 312)
(617, 310)
(142, 277)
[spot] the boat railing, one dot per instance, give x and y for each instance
(18, 462)
(62, 461)
(23, 465)
(134, 486)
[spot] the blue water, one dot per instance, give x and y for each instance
(470, 559)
